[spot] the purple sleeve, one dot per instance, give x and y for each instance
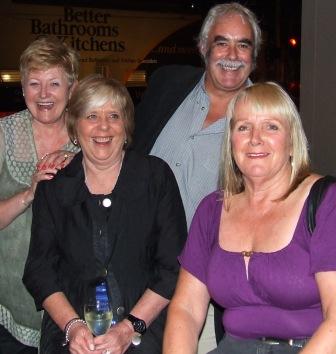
(202, 234)
(323, 242)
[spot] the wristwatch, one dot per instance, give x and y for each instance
(139, 325)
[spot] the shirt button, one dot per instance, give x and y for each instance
(192, 137)
(203, 108)
(178, 164)
(120, 310)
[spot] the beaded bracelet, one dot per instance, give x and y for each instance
(68, 327)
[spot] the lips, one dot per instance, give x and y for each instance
(102, 139)
(45, 105)
(257, 155)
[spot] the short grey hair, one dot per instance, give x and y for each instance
(223, 10)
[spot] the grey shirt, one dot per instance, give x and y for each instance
(192, 153)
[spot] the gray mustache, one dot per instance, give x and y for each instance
(231, 64)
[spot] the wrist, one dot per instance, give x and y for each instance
(27, 198)
(70, 326)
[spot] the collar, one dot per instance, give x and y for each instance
(70, 182)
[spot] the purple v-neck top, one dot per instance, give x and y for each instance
(279, 298)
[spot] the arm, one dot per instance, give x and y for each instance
(61, 311)
(15, 205)
(186, 315)
(12, 207)
(323, 265)
(323, 340)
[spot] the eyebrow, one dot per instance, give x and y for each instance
(220, 38)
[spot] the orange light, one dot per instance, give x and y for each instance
(293, 42)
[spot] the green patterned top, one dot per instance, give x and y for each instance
(18, 158)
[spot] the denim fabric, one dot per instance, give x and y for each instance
(230, 345)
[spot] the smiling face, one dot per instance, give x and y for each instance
(101, 134)
(229, 59)
(261, 143)
(47, 94)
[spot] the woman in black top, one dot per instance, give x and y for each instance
(111, 213)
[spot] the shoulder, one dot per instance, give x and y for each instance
(177, 73)
(144, 162)
(15, 118)
(209, 204)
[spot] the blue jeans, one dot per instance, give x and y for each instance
(230, 345)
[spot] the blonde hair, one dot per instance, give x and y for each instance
(48, 52)
(270, 98)
(95, 91)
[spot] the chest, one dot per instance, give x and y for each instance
(246, 229)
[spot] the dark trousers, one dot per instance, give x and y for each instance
(9, 345)
(230, 345)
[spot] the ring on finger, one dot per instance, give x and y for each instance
(65, 156)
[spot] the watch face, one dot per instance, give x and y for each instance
(139, 326)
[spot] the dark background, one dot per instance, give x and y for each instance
(280, 20)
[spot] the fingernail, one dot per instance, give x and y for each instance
(92, 347)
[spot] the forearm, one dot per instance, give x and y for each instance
(149, 306)
(12, 207)
(181, 331)
(323, 341)
(59, 309)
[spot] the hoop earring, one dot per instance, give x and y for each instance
(75, 141)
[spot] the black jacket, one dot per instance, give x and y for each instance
(147, 224)
(167, 89)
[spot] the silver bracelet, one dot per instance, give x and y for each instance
(68, 327)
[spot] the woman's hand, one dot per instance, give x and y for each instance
(117, 339)
(46, 169)
(55, 160)
(80, 339)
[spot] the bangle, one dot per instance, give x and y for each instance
(25, 203)
(68, 327)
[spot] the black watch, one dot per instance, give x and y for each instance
(139, 325)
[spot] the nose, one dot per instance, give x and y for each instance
(44, 90)
(103, 122)
(256, 137)
(232, 55)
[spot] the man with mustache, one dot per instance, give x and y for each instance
(181, 117)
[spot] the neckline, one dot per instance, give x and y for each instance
(117, 177)
(256, 253)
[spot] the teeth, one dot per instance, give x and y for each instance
(257, 154)
(230, 65)
(45, 104)
(102, 139)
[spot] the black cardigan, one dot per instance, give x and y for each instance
(149, 231)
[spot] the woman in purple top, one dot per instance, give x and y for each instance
(249, 247)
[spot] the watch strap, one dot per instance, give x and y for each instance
(138, 324)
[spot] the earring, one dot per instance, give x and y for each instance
(291, 161)
(125, 142)
(75, 142)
